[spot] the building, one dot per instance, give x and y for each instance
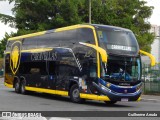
(155, 47)
(155, 29)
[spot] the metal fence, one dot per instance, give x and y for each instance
(151, 77)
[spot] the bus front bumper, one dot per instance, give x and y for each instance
(111, 96)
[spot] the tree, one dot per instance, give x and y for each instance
(131, 14)
(3, 42)
(37, 15)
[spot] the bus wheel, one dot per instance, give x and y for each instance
(22, 87)
(110, 102)
(75, 94)
(17, 86)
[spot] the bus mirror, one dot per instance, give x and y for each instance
(102, 52)
(152, 58)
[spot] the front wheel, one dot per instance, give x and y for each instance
(110, 102)
(75, 94)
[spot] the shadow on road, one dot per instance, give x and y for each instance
(67, 100)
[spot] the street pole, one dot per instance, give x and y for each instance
(89, 11)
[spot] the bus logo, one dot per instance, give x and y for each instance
(15, 56)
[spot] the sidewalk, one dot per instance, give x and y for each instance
(155, 98)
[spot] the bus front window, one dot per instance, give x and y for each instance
(118, 42)
(122, 69)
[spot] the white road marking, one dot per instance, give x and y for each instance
(143, 99)
(59, 118)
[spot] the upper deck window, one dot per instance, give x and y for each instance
(29, 43)
(86, 35)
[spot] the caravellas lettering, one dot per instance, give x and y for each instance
(44, 56)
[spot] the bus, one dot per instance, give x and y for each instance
(84, 61)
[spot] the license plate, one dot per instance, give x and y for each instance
(124, 99)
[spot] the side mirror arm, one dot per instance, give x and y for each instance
(102, 52)
(152, 58)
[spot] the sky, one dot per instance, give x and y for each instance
(5, 8)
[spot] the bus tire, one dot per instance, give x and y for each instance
(75, 94)
(22, 87)
(17, 86)
(110, 102)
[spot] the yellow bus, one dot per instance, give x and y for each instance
(85, 61)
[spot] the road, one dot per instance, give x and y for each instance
(11, 101)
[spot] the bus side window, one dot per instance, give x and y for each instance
(86, 35)
(70, 37)
(93, 71)
(29, 43)
(49, 40)
(9, 44)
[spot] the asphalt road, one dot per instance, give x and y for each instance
(11, 101)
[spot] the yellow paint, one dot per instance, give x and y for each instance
(139, 99)
(99, 49)
(35, 50)
(8, 78)
(73, 27)
(8, 85)
(98, 60)
(43, 90)
(38, 50)
(152, 58)
(27, 36)
(94, 97)
(108, 85)
(56, 30)
(64, 93)
(15, 55)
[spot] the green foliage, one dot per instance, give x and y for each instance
(38, 15)
(7, 19)
(3, 43)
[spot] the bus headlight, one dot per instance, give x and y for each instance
(138, 87)
(108, 85)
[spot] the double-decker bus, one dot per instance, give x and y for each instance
(86, 61)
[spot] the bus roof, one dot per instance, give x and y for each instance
(92, 26)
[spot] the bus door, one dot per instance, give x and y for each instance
(52, 74)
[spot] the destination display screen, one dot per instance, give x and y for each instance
(118, 41)
(121, 47)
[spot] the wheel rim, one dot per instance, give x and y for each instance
(22, 88)
(17, 86)
(75, 93)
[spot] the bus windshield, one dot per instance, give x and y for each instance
(122, 68)
(118, 41)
